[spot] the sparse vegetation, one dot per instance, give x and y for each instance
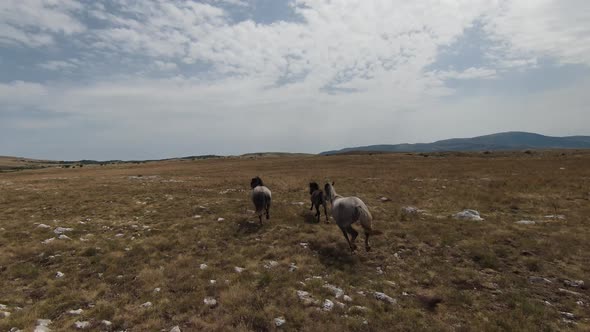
(140, 233)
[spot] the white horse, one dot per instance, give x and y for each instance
(261, 197)
(348, 210)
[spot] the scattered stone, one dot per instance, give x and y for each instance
(490, 285)
(43, 325)
(304, 244)
(203, 266)
(43, 226)
(15, 329)
(271, 264)
(4, 314)
(146, 305)
(361, 293)
(580, 303)
(555, 216)
(59, 274)
(468, 215)
(280, 321)
(547, 303)
(157, 290)
(535, 279)
(379, 270)
(340, 304)
(358, 309)
(210, 302)
(567, 291)
(64, 237)
(106, 323)
(410, 210)
(306, 298)
(328, 305)
(82, 324)
(220, 219)
(212, 281)
(338, 292)
(567, 315)
(384, 199)
(239, 269)
(347, 298)
(75, 312)
(61, 230)
(525, 222)
(3, 307)
(298, 203)
(119, 235)
(292, 267)
(175, 329)
(574, 283)
(197, 216)
(48, 240)
(390, 283)
(385, 298)
(120, 276)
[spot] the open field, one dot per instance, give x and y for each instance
(140, 233)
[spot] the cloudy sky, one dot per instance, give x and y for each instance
(124, 79)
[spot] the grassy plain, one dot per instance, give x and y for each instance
(138, 227)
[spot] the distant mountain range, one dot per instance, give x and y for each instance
(495, 142)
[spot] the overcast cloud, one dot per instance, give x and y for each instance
(122, 79)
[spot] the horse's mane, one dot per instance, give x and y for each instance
(313, 186)
(257, 181)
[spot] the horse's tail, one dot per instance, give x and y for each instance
(365, 218)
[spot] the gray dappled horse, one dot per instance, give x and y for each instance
(348, 210)
(317, 199)
(261, 197)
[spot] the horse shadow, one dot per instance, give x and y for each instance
(335, 255)
(246, 226)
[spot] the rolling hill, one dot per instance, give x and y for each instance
(494, 142)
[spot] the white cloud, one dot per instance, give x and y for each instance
(32, 22)
(469, 73)
(59, 65)
(555, 29)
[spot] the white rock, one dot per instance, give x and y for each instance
(239, 269)
(526, 222)
(146, 305)
(4, 314)
(567, 315)
(390, 283)
(580, 303)
(220, 219)
(340, 304)
(384, 199)
(82, 324)
(347, 298)
(271, 264)
(468, 215)
(175, 329)
(106, 322)
(304, 244)
(61, 230)
(43, 325)
(210, 302)
(574, 283)
(410, 210)
(197, 216)
(280, 321)
(3, 307)
(157, 290)
(555, 216)
(119, 235)
(379, 270)
(292, 267)
(64, 237)
(203, 266)
(43, 226)
(75, 312)
(48, 240)
(338, 292)
(384, 297)
(59, 274)
(212, 282)
(328, 305)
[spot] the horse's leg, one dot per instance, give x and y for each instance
(367, 246)
(346, 237)
(326, 213)
(260, 218)
(353, 234)
(317, 214)
(311, 208)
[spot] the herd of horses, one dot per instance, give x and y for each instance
(345, 210)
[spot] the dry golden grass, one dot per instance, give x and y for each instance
(480, 270)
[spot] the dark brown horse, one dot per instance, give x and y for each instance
(318, 199)
(261, 197)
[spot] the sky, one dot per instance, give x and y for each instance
(148, 79)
